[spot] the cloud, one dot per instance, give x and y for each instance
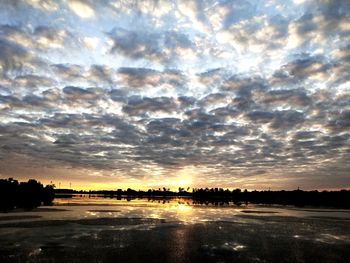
(75, 93)
(68, 72)
(213, 77)
(136, 90)
(260, 116)
(341, 122)
(39, 39)
(118, 95)
(308, 67)
(100, 74)
(304, 68)
(81, 9)
(48, 37)
(256, 35)
(16, 35)
(165, 47)
(215, 100)
(322, 22)
(287, 98)
(34, 81)
(243, 85)
(287, 119)
(142, 106)
(90, 42)
(146, 78)
(139, 77)
(14, 59)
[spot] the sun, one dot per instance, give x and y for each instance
(184, 181)
(184, 177)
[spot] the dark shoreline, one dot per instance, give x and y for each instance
(31, 194)
(218, 196)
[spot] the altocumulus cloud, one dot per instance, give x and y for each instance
(240, 93)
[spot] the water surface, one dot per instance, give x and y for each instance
(94, 229)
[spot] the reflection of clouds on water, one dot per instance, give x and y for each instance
(35, 252)
(178, 209)
(176, 231)
(326, 238)
(330, 238)
(226, 248)
(232, 246)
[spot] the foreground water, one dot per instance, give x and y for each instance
(94, 229)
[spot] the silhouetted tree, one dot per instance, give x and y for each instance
(24, 195)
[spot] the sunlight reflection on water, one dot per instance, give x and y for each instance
(178, 227)
(185, 210)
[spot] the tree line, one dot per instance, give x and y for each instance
(31, 194)
(296, 197)
(27, 195)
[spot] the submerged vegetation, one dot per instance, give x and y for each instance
(27, 195)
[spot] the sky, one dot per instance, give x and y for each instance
(145, 94)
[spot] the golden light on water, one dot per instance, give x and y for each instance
(184, 209)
